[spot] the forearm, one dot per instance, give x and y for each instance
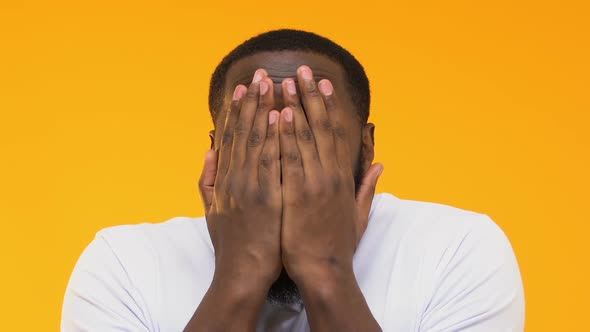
(334, 302)
(229, 306)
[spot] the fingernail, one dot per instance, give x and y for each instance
(238, 93)
(291, 87)
(326, 87)
(288, 114)
(258, 75)
(272, 117)
(263, 88)
(381, 171)
(305, 72)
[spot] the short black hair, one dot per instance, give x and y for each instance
(294, 40)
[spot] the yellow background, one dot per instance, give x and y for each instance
(104, 121)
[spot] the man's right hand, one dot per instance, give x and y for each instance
(241, 191)
(244, 216)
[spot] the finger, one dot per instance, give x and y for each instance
(244, 124)
(269, 169)
(304, 136)
(227, 135)
(291, 167)
(317, 116)
(207, 179)
(366, 192)
(339, 133)
(257, 134)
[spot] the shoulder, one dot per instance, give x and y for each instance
(119, 277)
(431, 224)
(462, 262)
(174, 227)
(147, 249)
(437, 233)
(179, 233)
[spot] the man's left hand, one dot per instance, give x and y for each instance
(323, 220)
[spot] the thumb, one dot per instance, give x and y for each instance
(207, 180)
(366, 191)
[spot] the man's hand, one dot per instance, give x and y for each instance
(244, 218)
(241, 192)
(323, 219)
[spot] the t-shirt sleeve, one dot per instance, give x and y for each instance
(100, 296)
(479, 287)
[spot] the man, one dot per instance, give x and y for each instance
(293, 239)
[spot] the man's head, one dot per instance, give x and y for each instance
(280, 53)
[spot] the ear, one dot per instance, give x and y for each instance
(368, 145)
(212, 137)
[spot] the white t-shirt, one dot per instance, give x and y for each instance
(421, 267)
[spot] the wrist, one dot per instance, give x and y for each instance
(324, 279)
(245, 273)
(319, 268)
(240, 287)
(328, 286)
(228, 296)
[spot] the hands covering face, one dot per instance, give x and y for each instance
(310, 223)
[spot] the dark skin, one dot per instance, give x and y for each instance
(280, 192)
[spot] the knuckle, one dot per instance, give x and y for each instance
(225, 190)
(336, 184)
(330, 102)
(227, 137)
(325, 125)
(293, 157)
(339, 131)
(288, 131)
(235, 188)
(270, 134)
(251, 95)
(255, 138)
(311, 89)
(293, 102)
(234, 108)
(239, 130)
(266, 161)
(260, 196)
(263, 105)
(305, 135)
